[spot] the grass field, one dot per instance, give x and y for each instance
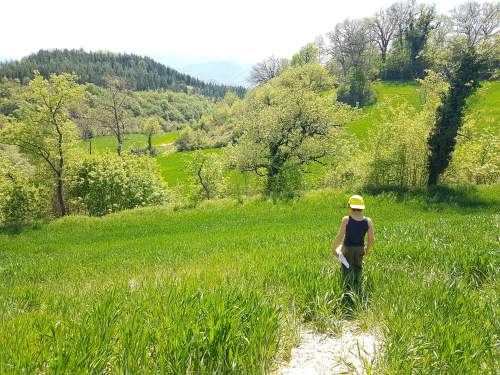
(386, 92)
(223, 288)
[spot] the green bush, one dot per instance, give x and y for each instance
(19, 204)
(21, 199)
(105, 183)
(356, 90)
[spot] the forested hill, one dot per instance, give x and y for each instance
(141, 73)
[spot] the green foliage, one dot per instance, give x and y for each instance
(21, 201)
(357, 90)
(44, 131)
(150, 127)
(398, 150)
(104, 183)
(307, 55)
(312, 77)
(172, 107)
(214, 129)
(286, 124)
(464, 82)
(141, 73)
(207, 176)
(10, 94)
(476, 158)
(190, 140)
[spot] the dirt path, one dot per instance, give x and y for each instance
(348, 353)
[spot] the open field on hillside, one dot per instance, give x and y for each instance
(223, 288)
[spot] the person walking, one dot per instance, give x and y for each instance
(351, 235)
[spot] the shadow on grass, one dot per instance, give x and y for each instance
(437, 197)
(16, 229)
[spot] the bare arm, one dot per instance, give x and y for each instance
(340, 235)
(371, 236)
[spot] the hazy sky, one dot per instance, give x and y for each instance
(195, 30)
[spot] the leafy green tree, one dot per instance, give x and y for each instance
(45, 132)
(286, 125)
(151, 127)
(397, 150)
(357, 90)
(464, 81)
(476, 158)
(307, 55)
(420, 24)
(207, 176)
(21, 200)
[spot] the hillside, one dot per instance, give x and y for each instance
(224, 288)
(140, 72)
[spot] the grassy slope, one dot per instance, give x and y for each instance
(484, 107)
(394, 92)
(223, 286)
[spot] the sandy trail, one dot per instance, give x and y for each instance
(351, 352)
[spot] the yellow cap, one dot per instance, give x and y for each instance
(357, 202)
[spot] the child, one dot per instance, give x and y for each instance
(352, 233)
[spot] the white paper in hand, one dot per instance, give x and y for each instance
(342, 258)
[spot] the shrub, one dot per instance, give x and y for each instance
(21, 200)
(100, 184)
(207, 176)
(357, 90)
(398, 150)
(476, 159)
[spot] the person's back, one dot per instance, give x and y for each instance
(355, 231)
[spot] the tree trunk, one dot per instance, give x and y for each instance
(150, 143)
(60, 197)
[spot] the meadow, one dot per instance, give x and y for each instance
(223, 288)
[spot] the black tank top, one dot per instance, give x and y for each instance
(355, 232)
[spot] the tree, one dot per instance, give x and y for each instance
(45, 131)
(356, 90)
(476, 21)
(207, 176)
(465, 80)
(307, 55)
(267, 69)
(150, 127)
(420, 23)
(349, 43)
(110, 109)
(285, 127)
(383, 26)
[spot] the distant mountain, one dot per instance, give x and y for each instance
(222, 72)
(141, 73)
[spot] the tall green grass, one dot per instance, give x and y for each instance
(223, 288)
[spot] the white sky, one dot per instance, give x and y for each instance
(241, 30)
